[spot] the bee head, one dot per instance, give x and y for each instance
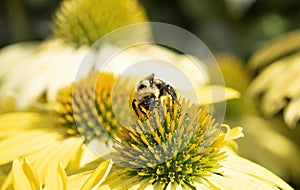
(147, 82)
(146, 87)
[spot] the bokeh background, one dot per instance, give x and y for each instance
(236, 27)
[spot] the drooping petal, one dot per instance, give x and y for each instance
(25, 143)
(278, 81)
(275, 49)
(77, 177)
(56, 177)
(215, 94)
(24, 176)
(58, 152)
(269, 146)
(98, 176)
(245, 171)
(292, 113)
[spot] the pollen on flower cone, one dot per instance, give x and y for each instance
(178, 144)
(86, 107)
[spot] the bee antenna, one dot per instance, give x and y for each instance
(151, 79)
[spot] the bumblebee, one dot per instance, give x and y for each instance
(150, 93)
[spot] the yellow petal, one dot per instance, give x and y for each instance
(215, 94)
(56, 177)
(234, 180)
(77, 180)
(231, 135)
(77, 177)
(25, 120)
(292, 113)
(275, 49)
(7, 183)
(98, 176)
(87, 156)
(269, 147)
(104, 187)
(234, 133)
(280, 92)
(277, 89)
(75, 161)
(25, 143)
(240, 168)
(23, 175)
(2, 176)
(58, 152)
(266, 78)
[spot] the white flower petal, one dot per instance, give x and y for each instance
(193, 69)
(47, 68)
(14, 54)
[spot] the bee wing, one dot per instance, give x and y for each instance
(171, 91)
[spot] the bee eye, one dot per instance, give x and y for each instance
(142, 86)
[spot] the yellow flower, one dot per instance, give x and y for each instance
(48, 136)
(83, 22)
(60, 129)
(64, 145)
(91, 105)
(85, 108)
(25, 177)
(278, 80)
(182, 148)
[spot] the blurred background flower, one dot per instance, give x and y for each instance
(82, 22)
(34, 72)
(267, 140)
(225, 26)
(278, 82)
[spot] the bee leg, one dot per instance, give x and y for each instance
(170, 90)
(134, 107)
(141, 109)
